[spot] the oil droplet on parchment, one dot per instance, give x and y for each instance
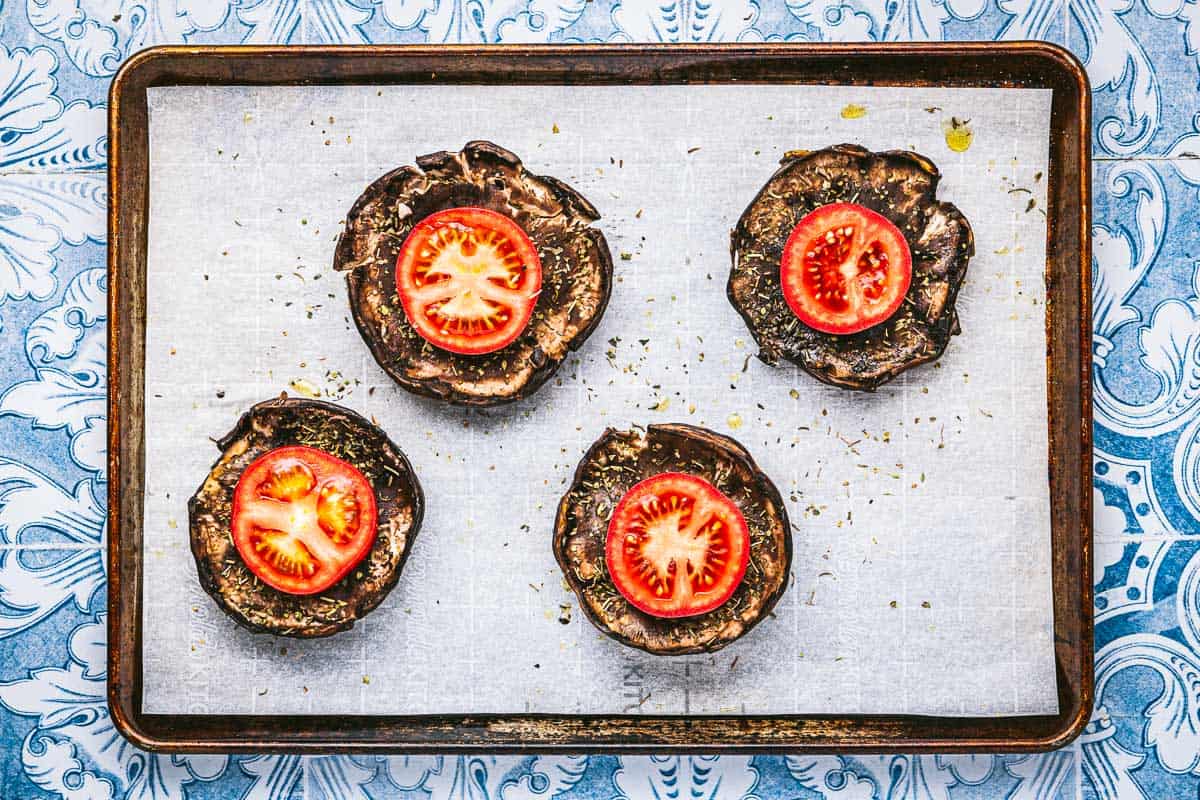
(305, 387)
(958, 134)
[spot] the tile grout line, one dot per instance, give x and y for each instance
(53, 547)
(98, 171)
(1065, 10)
(1128, 538)
(1077, 755)
(1163, 159)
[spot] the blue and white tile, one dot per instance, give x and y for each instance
(54, 378)
(1044, 777)
(1142, 740)
(1143, 59)
(73, 751)
(95, 36)
(52, 116)
(1146, 322)
(22, 748)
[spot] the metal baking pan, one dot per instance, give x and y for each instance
(1068, 268)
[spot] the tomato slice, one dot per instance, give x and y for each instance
(845, 268)
(302, 518)
(676, 546)
(468, 279)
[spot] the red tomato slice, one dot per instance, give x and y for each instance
(468, 279)
(676, 546)
(845, 268)
(302, 518)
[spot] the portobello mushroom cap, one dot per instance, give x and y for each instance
(611, 467)
(901, 186)
(576, 272)
(342, 433)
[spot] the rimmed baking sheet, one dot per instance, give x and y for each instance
(1068, 415)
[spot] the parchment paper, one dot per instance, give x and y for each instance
(922, 548)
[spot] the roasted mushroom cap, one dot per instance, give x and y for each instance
(223, 574)
(611, 467)
(576, 272)
(897, 184)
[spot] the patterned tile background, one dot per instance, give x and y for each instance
(56, 59)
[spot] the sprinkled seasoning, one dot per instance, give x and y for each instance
(576, 276)
(918, 331)
(341, 433)
(612, 466)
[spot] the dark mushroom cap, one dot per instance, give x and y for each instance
(897, 184)
(576, 272)
(611, 467)
(223, 573)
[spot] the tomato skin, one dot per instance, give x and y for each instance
(842, 290)
(471, 248)
(252, 504)
(699, 505)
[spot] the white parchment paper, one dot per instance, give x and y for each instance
(922, 545)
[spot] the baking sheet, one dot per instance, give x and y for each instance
(922, 533)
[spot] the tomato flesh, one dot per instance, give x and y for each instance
(302, 518)
(676, 546)
(468, 279)
(845, 268)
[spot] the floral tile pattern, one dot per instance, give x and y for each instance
(56, 60)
